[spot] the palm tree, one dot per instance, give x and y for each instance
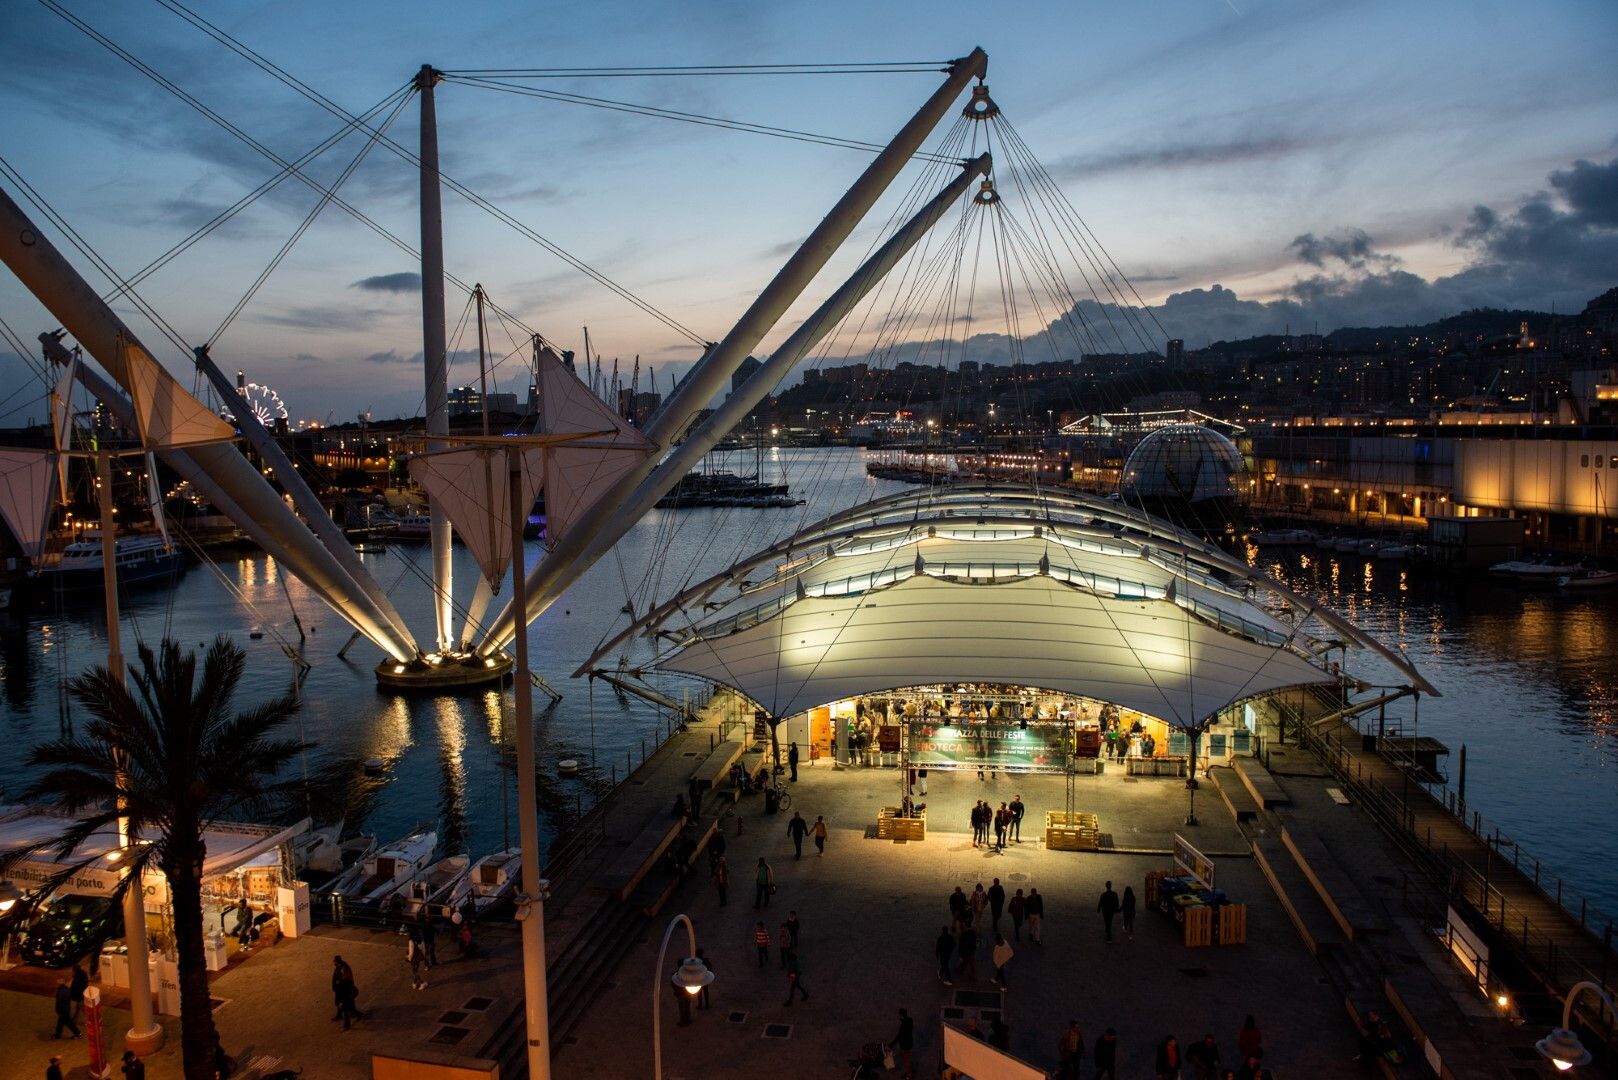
(179, 759)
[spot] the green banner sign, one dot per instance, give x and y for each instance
(1009, 747)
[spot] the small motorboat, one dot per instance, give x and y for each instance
(494, 878)
(385, 870)
(1588, 578)
(440, 888)
(1284, 538)
(1395, 551)
(320, 854)
(1346, 545)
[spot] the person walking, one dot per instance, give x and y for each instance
(1036, 915)
(783, 942)
(1106, 1056)
(958, 908)
(904, 1045)
(345, 991)
(792, 760)
(997, 904)
(429, 936)
(1126, 908)
(1249, 1042)
(1017, 908)
(243, 931)
(721, 880)
(967, 945)
(797, 828)
(1002, 956)
(792, 926)
(818, 831)
(763, 884)
(1168, 1059)
(682, 999)
(53, 1071)
(978, 901)
(944, 952)
(1002, 819)
(1108, 908)
(977, 820)
(416, 957)
(1070, 1051)
(133, 1068)
(77, 984)
(1017, 812)
(795, 980)
(761, 941)
(64, 1010)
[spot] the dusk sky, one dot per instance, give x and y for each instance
(1250, 164)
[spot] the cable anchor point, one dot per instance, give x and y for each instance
(986, 195)
(982, 106)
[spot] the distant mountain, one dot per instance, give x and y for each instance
(1487, 322)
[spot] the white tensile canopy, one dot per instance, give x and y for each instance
(1007, 586)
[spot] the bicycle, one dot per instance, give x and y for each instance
(783, 801)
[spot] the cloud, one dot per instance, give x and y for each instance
(393, 356)
(1354, 249)
(1182, 156)
(406, 281)
(326, 317)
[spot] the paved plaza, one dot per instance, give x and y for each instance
(871, 911)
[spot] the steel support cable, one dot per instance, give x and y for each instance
(326, 103)
(89, 252)
(194, 103)
(659, 113)
(1084, 255)
(1066, 209)
(874, 67)
(24, 354)
(259, 192)
(303, 226)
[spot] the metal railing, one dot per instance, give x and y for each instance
(1532, 939)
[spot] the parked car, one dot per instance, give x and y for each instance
(70, 929)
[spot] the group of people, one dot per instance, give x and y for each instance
(977, 917)
(1201, 1061)
(1120, 744)
(1006, 823)
(787, 945)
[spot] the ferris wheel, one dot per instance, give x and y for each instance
(266, 404)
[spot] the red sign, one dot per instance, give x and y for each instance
(95, 1033)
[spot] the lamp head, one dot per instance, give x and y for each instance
(692, 975)
(1563, 1049)
(9, 895)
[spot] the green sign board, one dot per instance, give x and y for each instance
(935, 744)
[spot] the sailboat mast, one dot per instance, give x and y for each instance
(434, 350)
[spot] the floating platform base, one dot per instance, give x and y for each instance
(444, 674)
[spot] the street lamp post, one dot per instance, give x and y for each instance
(1562, 1047)
(692, 977)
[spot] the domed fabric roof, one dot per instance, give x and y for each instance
(996, 584)
(1183, 461)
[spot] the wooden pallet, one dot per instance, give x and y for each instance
(1152, 879)
(1198, 926)
(1232, 929)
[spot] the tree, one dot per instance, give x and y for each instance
(178, 759)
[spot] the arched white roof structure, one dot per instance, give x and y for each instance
(999, 584)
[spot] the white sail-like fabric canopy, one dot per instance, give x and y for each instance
(1055, 590)
(26, 479)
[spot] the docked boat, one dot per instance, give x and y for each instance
(414, 526)
(440, 888)
(386, 870)
(1346, 545)
(1544, 570)
(320, 854)
(1395, 550)
(1285, 538)
(1588, 578)
(494, 878)
(140, 559)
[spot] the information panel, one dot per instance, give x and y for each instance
(1008, 747)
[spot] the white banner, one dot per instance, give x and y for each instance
(980, 1061)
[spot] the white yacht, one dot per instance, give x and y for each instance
(384, 871)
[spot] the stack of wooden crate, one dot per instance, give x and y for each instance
(1077, 831)
(890, 826)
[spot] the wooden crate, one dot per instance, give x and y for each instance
(890, 826)
(1198, 926)
(1077, 831)
(1152, 878)
(1233, 924)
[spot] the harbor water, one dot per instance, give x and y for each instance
(1529, 679)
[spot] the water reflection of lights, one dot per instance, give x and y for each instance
(390, 734)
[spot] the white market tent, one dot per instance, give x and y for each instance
(1004, 585)
(230, 847)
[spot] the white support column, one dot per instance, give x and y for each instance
(433, 347)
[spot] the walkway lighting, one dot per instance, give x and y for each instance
(1562, 1047)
